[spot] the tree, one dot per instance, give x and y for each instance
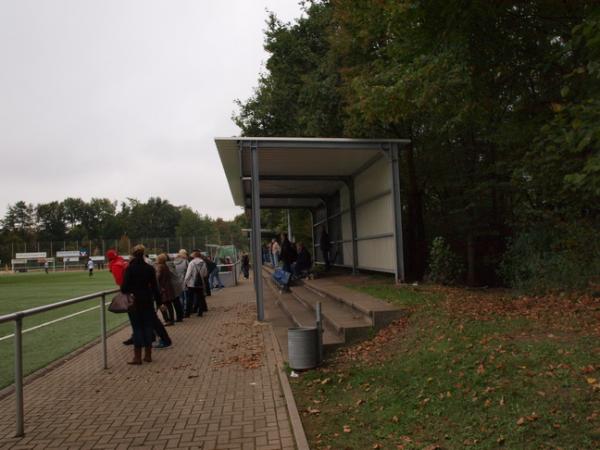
(74, 209)
(155, 218)
(51, 221)
(476, 86)
(192, 224)
(298, 96)
(20, 219)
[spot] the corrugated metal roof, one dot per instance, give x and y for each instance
(291, 168)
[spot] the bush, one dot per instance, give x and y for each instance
(549, 257)
(445, 267)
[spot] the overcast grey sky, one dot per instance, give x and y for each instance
(122, 98)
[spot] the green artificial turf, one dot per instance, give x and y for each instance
(464, 371)
(42, 346)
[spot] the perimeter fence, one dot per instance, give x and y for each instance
(99, 247)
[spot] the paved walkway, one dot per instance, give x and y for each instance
(216, 388)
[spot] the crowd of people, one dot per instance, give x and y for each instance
(176, 287)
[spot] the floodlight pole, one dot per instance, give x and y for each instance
(256, 227)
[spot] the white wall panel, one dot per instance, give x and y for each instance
(375, 180)
(375, 217)
(377, 254)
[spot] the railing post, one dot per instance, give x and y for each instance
(103, 330)
(19, 376)
(319, 334)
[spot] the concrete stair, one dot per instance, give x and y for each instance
(348, 315)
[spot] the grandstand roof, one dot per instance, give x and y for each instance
(295, 172)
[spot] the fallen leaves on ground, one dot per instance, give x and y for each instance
(561, 312)
(375, 349)
(241, 341)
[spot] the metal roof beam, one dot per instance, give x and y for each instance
(299, 178)
(318, 143)
(290, 196)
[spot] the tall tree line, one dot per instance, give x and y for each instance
(100, 218)
(501, 101)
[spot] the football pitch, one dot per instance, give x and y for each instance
(49, 343)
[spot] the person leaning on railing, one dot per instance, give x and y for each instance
(214, 280)
(140, 280)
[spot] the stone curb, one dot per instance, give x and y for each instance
(295, 421)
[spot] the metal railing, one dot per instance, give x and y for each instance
(235, 269)
(18, 317)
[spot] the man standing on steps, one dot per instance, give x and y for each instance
(288, 253)
(325, 245)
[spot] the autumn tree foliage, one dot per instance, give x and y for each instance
(500, 100)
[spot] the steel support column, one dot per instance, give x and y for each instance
(312, 234)
(350, 184)
(398, 238)
(289, 226)
(256, 245)
(326, 225)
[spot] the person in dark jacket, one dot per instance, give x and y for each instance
(165, 285)
(325, 245)
(210, 267)
(245, 265)
(288, 253)
(304, 261)
(140, 280)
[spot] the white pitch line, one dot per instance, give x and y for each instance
(45, 324)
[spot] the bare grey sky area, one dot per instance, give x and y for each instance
(122, 98)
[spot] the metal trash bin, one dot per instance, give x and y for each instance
(303, 349)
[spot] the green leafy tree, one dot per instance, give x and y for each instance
(484, 90)
(51, 221)
(192, 224)
(20, 220)
(155, 218)
(95, 215)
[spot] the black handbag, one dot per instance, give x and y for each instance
(121, 303)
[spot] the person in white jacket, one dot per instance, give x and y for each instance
(195, 285)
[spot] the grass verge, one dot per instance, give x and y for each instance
(467, 369)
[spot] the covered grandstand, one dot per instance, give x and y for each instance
(350, 186)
